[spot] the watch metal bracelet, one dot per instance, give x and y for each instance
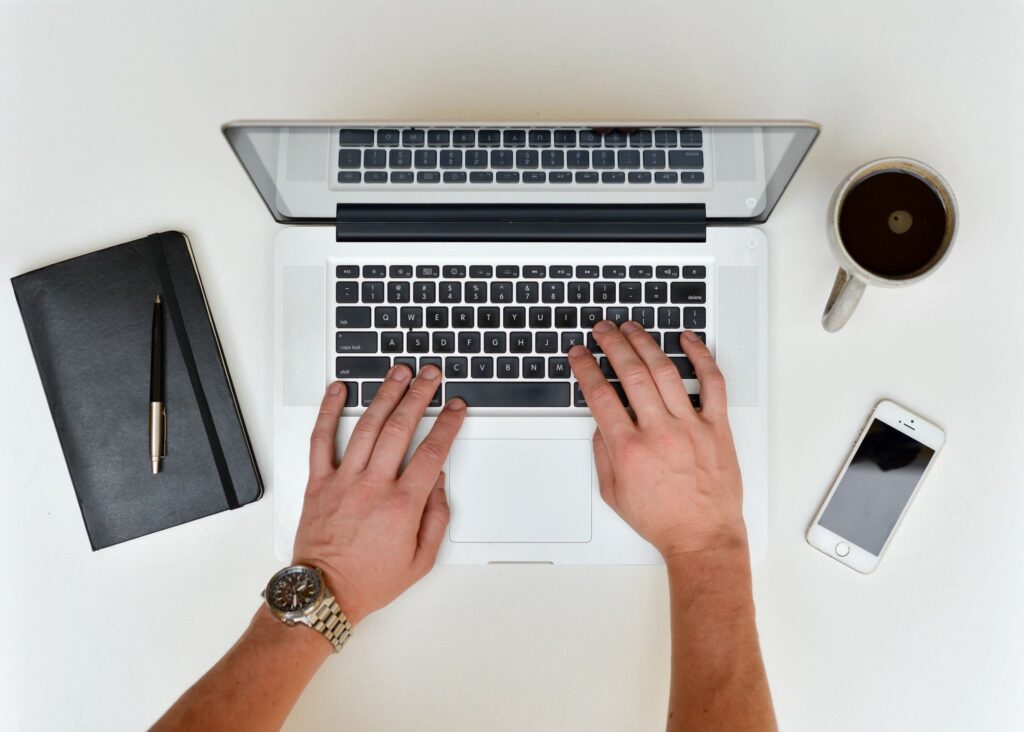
(329, 621)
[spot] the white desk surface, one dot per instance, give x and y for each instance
(109, 130)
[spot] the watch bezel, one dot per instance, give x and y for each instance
(296, 616)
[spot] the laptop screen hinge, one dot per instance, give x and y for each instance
(521, 222)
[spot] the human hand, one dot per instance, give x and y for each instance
(373, 528)
(671, 473)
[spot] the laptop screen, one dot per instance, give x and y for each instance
(737, 172)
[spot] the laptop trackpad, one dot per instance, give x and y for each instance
(507, 490)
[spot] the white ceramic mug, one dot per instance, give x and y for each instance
(852, 277)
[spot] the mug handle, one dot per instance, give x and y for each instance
(842, 301)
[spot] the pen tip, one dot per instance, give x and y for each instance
(157, 298)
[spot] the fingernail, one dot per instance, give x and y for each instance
(690, 336)
(577, 351)
(430, 373)
(456, 405)
(399, 373)
(604, 326)
(334, 389)
(629, 327)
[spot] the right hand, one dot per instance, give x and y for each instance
(671, 473)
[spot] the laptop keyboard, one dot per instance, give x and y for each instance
(453, 157)
(499, 333)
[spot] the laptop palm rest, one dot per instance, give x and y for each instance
(520, 490)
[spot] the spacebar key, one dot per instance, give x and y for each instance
(516, 394)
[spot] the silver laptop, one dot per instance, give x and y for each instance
(489, 250)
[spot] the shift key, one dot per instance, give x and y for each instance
(361, 367)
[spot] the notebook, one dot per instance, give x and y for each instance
(89, 322)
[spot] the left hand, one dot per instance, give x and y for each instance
(372, 528)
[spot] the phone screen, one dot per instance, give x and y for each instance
(876, 487)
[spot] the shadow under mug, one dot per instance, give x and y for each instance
(852, 278)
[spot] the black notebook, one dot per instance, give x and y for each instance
(89, 321)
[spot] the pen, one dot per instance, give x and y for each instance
(156, 389)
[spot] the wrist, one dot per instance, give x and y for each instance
(721, 572)
(344, 593)
(304, 642)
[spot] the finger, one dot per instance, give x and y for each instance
(605, 406)
(429, 457)
(432, 527)
(322, 455)
(663, 371)
(396, 434)
(605, 472)
(632, 372)
(364, 436)
(712, 383)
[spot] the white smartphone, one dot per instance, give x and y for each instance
(880, 478)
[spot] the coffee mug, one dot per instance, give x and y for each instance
(891, 223)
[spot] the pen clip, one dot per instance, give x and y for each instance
(163, 420)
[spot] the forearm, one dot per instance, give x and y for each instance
(256, 684)
(718, 678)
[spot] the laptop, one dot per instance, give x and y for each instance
(489, 250)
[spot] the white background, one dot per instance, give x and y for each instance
(109, 120)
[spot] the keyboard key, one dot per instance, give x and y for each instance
(411, 318)
(358, 317)
(589, 138)
(413, 138)
(613, 176)
(534, 176)
(349, 176)
(456, 367)
(349, 271)
(553, 292)
(373, 292)
(417, 342)
(546, 342)
(640, 138)
(565, 318)
(443, 341)
(592, 344)
(350, 159)
(578, 159)
(481, 176)
(438, 138)
(370, 389)
(424, 292)
(656, 292)
(540, 138)
(508, 367)
(535, 271)
(540, 317)
(346, 292)
(401, 176)
(361, 367)
(694, 318)
(454, 271)
(613, 271)
(561, 271)
(558, 368)
(529, 292)
(586, 176)
(688, 292)
(376, 176)
(400, 271)
(431, 271)
(501, 292)
(644, 316)
(520, 342)
(507, 176)
(489, 138)
(392, 342)
(667, 272)
(428, 176)
(587, 272)
(355, 138)
(481, 367)
(606, 368)
(451, 158)
(495, 342)
(685, 159)
(604, 292)
(375, 158)
(560, 176)
(695, 272)
(462, 317)
(551, 159)
(641, 272)
(683, 366)
(615, 139)
(450, 292)
(464, 138)
(565, 138)
(668, 318)
(515, 138)
(665, 138)
(514, 318)
(401, 158)
(629, 159)
(507, 271)
(455, 176)
(476, 292)
(482, 271)
(518, 394)
(385, 317)
(589, 317)
(639, 177)
(501, 158)
(654, 158)
(690, 138)
(603, 159)
(476, 158)
(665, 177)
(437, 318)
(691, 177)
(527, 159)
(387, 138)
(488, 318)
(571, 338)
(409, 361)
(630, 292)
(469, 342)
(355, 343)
(617, 315)
(672, 344)
(398, 292)
(425, 158)
(533, 367)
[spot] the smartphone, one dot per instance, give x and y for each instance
(869, 499)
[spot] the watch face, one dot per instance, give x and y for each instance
(294, 590)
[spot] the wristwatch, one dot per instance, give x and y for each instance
(298, 594)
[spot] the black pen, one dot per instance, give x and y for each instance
(156, 389)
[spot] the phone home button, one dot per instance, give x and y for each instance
(842, 549)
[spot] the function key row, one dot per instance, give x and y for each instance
(633, 177)
(367, 137)
(514, 271)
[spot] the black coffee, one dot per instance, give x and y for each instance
(892, 224)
